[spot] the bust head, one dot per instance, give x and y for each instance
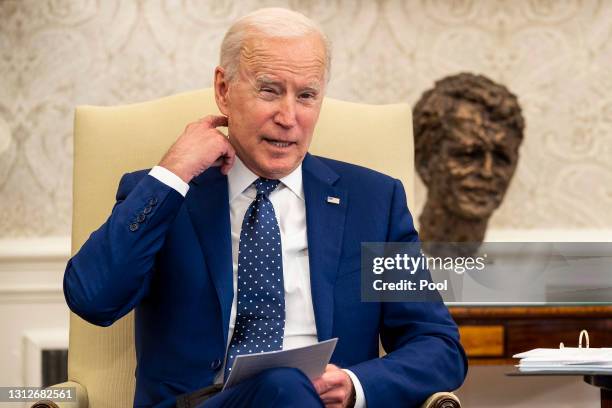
(467, 132)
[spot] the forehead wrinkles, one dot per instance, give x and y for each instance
(259, 58)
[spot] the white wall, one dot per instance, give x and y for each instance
(33, 313)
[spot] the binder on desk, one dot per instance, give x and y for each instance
(566, 359)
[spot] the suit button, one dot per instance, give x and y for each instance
(147, 210)
(153, 201)
(133, 226)
(215, 365)
(141, 217)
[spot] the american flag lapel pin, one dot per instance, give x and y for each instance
(333, 200)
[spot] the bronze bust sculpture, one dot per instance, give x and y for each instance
(467, 133)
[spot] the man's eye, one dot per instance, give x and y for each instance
(267, 91)
(502, 157)
(307, 95)
(468, 155)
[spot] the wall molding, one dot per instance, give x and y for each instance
(549, 235)
(39, 249)
(34, 342)
(31, 269)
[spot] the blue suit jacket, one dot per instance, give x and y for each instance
(175, 268)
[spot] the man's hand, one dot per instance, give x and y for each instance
(199, 147)
(335, 388)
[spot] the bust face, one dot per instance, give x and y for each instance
(476, 161)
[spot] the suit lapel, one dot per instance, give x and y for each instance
(208, 206)
(325, 228)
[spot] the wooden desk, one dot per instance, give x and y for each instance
(492, 334)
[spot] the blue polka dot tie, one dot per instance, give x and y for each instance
(260, 312)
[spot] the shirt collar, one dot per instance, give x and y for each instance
(240, 178)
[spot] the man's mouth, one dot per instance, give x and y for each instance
(478, 190)
(480, 194)
(279, 143)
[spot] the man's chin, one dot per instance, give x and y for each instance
(268, 167)
(473, 211)
(276, 171)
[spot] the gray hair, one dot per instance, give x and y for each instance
(273, 22)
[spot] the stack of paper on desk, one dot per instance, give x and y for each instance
(568, 359)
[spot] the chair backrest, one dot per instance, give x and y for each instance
(110, 141)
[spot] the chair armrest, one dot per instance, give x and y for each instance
(82, 400)
(442, 400)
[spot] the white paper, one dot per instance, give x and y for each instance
(568, 359)
(569, 369)
(309, 359)
(558, 354)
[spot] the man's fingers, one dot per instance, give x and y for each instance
(223, 161)
(334, 398)
(334, 379)
(332, 387)
(326, 383)
(320, 385)
(228, 163)
(214, 121)
(231, 152)
(228, 158)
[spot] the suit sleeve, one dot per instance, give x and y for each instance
(421, 339)
(112, 271)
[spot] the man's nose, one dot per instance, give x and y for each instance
(286, 114)
(487, 165)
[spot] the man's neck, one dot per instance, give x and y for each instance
(440, 225)
(241, 177)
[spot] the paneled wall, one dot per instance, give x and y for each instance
(556, 55)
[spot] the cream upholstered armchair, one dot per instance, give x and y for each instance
(110, 141)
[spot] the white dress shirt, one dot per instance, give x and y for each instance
(290, 210)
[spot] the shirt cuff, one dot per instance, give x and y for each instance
(360, 401)
(170, 179)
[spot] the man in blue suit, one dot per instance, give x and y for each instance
(247, 243)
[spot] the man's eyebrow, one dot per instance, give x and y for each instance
(313, 87)
(264, 80)
(465, 143)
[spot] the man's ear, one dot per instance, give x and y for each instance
(221, 90)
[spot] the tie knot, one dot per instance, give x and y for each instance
(265, 186)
